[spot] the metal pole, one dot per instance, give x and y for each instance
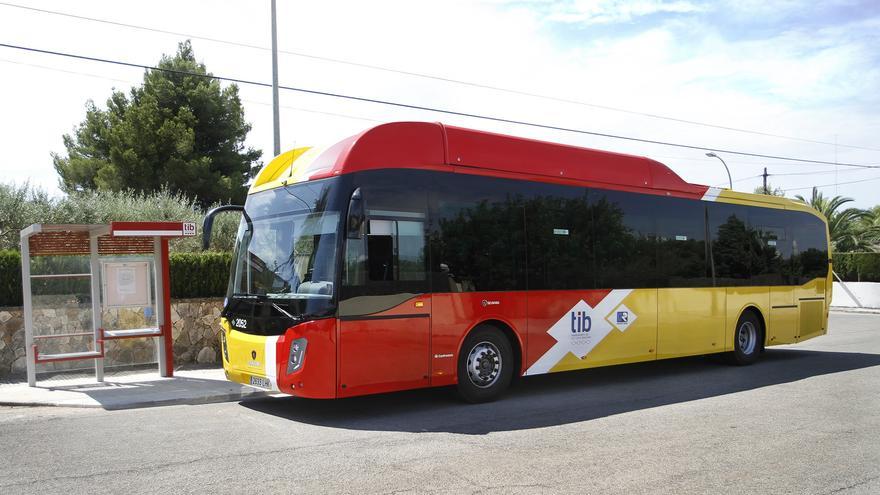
(276, 119)
(765, 181)
(28, 310)
(97, 306)
(166, 311)
(729, 179)
(163, 307)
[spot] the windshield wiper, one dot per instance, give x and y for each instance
(285, 313)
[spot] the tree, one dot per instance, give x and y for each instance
(772, 191)
(842, 224)
(868, 228)
(177, 130)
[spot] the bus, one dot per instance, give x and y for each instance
(419, 255)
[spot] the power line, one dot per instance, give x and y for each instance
(795, 173)
(437, 78)
(738, 162)
(739, 180)
(65, 71)
(368, 119)
(818, 172)
(300, 109)
(440, 110)
(87, 74)
(354, 117)
(833, 184)
(308, 110)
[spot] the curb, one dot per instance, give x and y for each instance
(847, 309)
(190, 401)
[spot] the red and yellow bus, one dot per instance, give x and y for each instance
(417, 255)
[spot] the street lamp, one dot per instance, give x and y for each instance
(713, 155)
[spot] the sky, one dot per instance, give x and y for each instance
(782, 78)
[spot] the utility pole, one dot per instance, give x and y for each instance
(276, 119)
(766, 191)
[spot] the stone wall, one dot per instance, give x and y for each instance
(195, 329)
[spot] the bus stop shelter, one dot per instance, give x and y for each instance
(120, 265)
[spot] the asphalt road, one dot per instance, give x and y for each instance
(806, 419)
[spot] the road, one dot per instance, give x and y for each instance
(806, 419)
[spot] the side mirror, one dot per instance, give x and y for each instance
(355, 221)
(208, 223)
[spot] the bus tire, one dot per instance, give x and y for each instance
(485, 365)
(747, 338)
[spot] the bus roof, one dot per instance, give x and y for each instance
(435, 146)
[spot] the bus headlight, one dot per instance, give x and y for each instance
(297, 353)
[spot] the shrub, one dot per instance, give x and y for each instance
(10, 278)
(203, 274)
(23, 205)
(857, 267)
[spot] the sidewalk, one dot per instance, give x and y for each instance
(134, 390)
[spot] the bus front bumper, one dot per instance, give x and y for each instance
(267, 363)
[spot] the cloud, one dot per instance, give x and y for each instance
(616, 11)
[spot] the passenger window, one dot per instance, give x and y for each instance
(391, 258)
(396, 250)
(560, 243)
(771, 263)
(681, 243)
(560, 238)
(731, 244)
(809, 247)
(625, 239)
(478, 238)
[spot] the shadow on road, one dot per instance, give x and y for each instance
(563, 398)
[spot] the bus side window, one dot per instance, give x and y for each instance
(771, 246)
(730, 244)
(477, 238)
(809, 247)
(681, 243)
(386, 247)
(380, 246)
(355, 271)
(396, 250)
(625, 239)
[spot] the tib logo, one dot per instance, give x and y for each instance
(580, 322)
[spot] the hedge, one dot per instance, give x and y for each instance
(10, 278)
(204, 274)
(857, 267)
(201, 274)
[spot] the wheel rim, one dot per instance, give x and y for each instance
(484, 364)
(748, 337)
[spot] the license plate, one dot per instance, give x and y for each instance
(260, 382)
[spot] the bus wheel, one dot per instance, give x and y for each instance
(485, 365)
(747, 339)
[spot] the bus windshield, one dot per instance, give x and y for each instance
(286, 246)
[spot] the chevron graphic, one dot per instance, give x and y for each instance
(583, 327)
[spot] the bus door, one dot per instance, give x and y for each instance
(385, 306)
